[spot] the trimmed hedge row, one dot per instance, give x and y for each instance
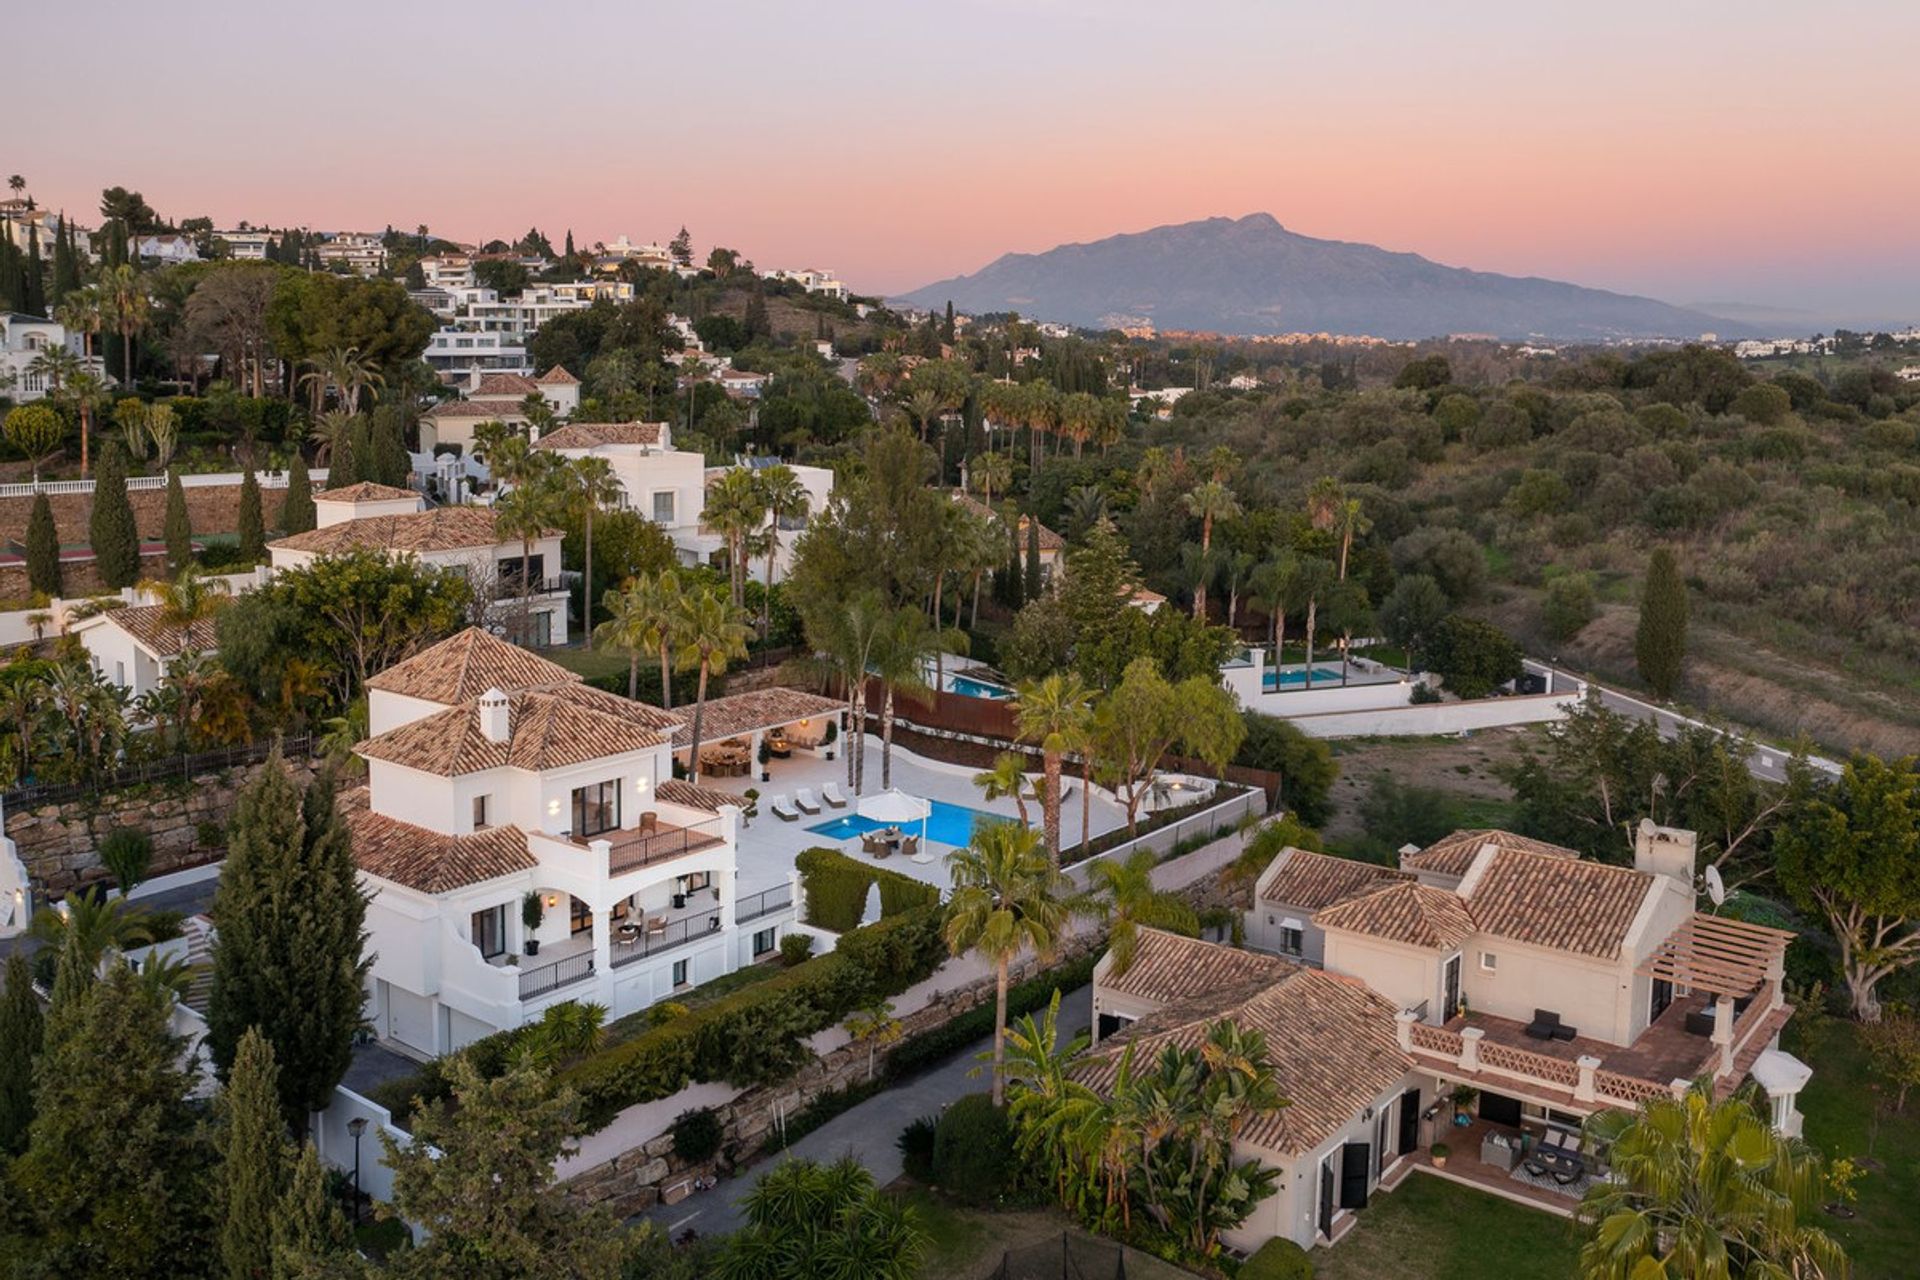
(930, 1048)
(837, 886)
(755, 1036)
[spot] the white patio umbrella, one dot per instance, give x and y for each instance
(898, 808)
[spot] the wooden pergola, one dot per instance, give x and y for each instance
(1718, 955)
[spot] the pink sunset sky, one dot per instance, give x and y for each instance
(1759, 153)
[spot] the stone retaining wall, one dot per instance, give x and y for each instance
(213, 508)
(59, 842)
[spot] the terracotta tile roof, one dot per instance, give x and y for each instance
(1452, 855)
(501, 386)
(1568, 904)
(436, 529)
(588, 435)
(1330, 1039)
(546, 731)
(644, 714)
(679, 791)
(365, 491)
(476, 409)
(557, 376)
(430, 861)
(144, 624)
(1049, 540)
(761, 709)
(461, 668)
(1415, 914)
(1316, 880)
(1168, 968)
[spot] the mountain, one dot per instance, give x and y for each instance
(1253, 276)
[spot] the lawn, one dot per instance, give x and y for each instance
(1884, 1239)
(968, 1244)
(589, 663)
(1432, 1229)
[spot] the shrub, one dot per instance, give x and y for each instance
(127, 853)
(696, 1135)
(916, 1053)
(1278, 1259)
(973, 1158)
(1568, 606)
(916, 1148)
(1305, 765)
(795, 949)
(837, 888)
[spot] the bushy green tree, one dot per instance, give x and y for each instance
(1412, 613)
(1473, 658)
(1306, 765)
(111, 528)
(1568, 606)
(252, 1179)
(1660, 643)
(296, 508)
(806, 1220)
(179, 527)
(21, 1030)
(250, 525)
(43, 548)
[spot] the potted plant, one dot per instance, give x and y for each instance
(1439, 1151)
(532, 912)
(766, 757)
(833, 731)
(1464, 1096)
(752, 810)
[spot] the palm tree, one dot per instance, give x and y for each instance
(83, 311)
(1055, 713)
(1349, 521)
(344, 369)
(845, 638)
(901, 646)
(124, 305)
(1323, 501)
(786, 499)
(589, 484)
(990, 471)
(712, 634)
(1312, 581)
(1704, 1189)
(1129, 900)
(1210, 500)
(1273, 591)
(1007, 898)
(875, 1025)
(328, 430)
(641, 618)
(734, 509)
(528, 511)
(190, 597)
(1007, 779)
(94, 924)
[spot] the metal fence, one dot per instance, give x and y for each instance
(551, 977)
(181, 768)
(764, 903)
(651, 942)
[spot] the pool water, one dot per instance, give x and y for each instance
(972, 688)
(952, 824)
(1294, 679)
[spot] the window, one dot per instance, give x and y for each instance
(579, 917)
(480, 812)
(764, 941)
(596, 808)
(663, 507)
(679, 973)
(1292, 942)
(1489, 962)
(488, 930)
(517, 574)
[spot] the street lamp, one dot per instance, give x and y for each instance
(356, 1127)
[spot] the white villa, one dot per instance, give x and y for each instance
(24, 337)
(1489, 993)
(135, 647)
(495, 780)
(373, 517)
(813, 280)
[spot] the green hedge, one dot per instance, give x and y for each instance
(1278, 1259)
(837, 886)
(929, 1048)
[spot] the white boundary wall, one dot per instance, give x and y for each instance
(1439, 717)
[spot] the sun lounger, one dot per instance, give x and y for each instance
(830, 792)
(803, 800)
(782, 810)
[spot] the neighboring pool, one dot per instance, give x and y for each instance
(1321, 675)
(972, 688)
(952, 824)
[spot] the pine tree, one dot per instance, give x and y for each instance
(252, 1143)
(308, 1228)
(1660, 644)
(111, 530)
(343, 465)
(113, 1169)
(1033, 558)
(179, 529)
(296, 509)
(250, 526)
(21, 1031)
(389, 463)
(43, 549)
(289, 958)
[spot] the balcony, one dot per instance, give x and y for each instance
(630, 849)
(512, 587)
(764, 903)
(649, 938)
(551, 974)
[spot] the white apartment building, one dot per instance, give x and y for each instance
(496, 779)
(457, 353)
(813, 280)
(22, 338)
(361, 252)
(448, 271)
(246, 246)
(166, 248)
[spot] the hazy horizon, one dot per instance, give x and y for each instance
(1762, 162)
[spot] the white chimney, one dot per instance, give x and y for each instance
(1664, 851)
(493, 715)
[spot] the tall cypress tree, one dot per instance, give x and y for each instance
(389, 463)
(111, 530)
(289, 956)
(43, 548)
(1033, 558)
(66, 263)
(308, 1226)
(254, 1160)
(179, 531)
(36, 275)
(343, 464)
(21, 1032)
(250, 526)
(296, 509)
(1660, 644)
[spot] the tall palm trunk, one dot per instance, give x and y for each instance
(766, 597)
(977, 575)
(586, 592)
(633, 675)
(666, 675)
(699, 714)
(1313, 609)
(1000, 1031)
(886, 739)
(853, 718)
(1050, 810)
(1200, 589)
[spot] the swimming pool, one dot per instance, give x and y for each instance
(1296, 678)
(952, 824)
(972, 688)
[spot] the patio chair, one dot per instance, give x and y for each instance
(874, 845)
(910, 846)
(830, 792)
(1544, 1024)
(650, 821)
(782, 810)
(803, 800)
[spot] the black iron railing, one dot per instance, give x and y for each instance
(172, 769)
(649, 941)
(551, 977)
(634, 849)
(764, 903)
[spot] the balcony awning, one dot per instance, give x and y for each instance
(1713, 953)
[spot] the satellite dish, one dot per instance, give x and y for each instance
(1716, 887)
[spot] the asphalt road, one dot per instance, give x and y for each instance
(866, 1131)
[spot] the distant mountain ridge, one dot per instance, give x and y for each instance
(1252, 276)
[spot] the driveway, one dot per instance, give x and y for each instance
(866, 1132)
